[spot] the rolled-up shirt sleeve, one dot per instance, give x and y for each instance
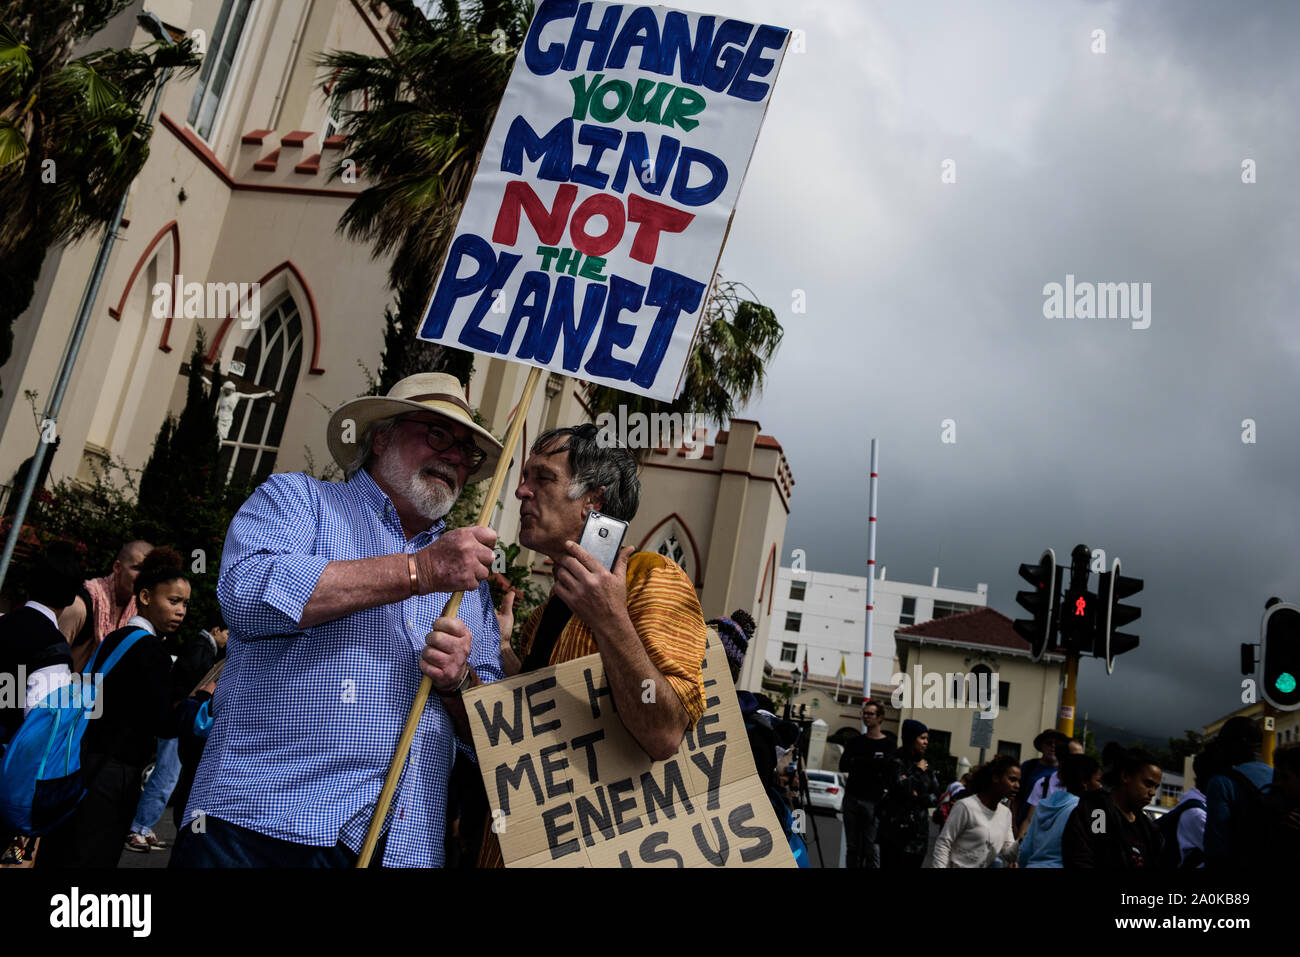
(666, 614)
(268, 571)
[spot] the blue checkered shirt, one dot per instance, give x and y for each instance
(307, 720)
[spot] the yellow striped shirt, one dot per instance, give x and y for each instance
(666, 614)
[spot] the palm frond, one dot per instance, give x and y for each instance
(13, 145)
(15, 57)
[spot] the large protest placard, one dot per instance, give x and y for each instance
(597, 216)
(570, 787)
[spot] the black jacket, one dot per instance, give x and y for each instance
(29, 639)
(1096, 836)
(866, 760)
(195, 659)
(137, 705)
(904, 813)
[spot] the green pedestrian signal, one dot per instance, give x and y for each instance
(1280, 655)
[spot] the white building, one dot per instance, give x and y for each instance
(824, 616)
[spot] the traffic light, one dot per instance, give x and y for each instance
(1078, 609)
(1280, 654)
(1078, 618)
(1045, 578)
(1112, 589)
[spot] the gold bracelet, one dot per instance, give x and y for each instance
(415, 578)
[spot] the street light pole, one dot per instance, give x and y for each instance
(150, 22)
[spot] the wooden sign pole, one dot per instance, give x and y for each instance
(453, 606)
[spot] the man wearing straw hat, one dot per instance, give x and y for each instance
(333, 592)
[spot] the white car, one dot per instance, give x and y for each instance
(826, 789)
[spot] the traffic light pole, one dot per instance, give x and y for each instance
(1269, 733)
(1065, 720)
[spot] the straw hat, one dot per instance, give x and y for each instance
(427, 392)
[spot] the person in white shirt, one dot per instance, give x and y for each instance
(33, 652)
(979, 830)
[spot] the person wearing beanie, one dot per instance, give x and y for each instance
(913, 788)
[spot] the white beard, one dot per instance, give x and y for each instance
(431, 499)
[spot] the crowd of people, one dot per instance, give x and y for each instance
(334, 594)
(125, 628)
(272, 740)
(1066, 809)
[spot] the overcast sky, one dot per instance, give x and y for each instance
(925, 303)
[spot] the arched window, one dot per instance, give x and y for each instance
(273, 355)
(672, 549)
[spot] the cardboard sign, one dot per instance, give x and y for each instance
(597, 215)
(570, 787)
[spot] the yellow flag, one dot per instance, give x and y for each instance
(843, 671)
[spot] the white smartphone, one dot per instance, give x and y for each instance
(602, 536)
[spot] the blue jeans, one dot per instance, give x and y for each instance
(166, 772)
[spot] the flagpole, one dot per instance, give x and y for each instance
(871, 572)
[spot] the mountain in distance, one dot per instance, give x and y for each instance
(1102, 733)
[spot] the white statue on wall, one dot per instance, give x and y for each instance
(226, 403)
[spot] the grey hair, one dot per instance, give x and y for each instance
(366, 447)
(595, 465)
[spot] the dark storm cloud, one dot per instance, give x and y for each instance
(925, 303)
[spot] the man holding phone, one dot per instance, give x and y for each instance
(642, 615)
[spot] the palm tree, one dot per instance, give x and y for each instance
(72, 133)
(727, 366)
(429, 107)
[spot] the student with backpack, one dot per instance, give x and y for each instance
(1110, 831)
(31, 645)
(136, 711)
(1235, 831)
(1183, 828)
(195, 657)
(35, 657)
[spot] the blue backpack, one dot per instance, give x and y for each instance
(40, 778)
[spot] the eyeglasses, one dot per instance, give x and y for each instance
(440, 439)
